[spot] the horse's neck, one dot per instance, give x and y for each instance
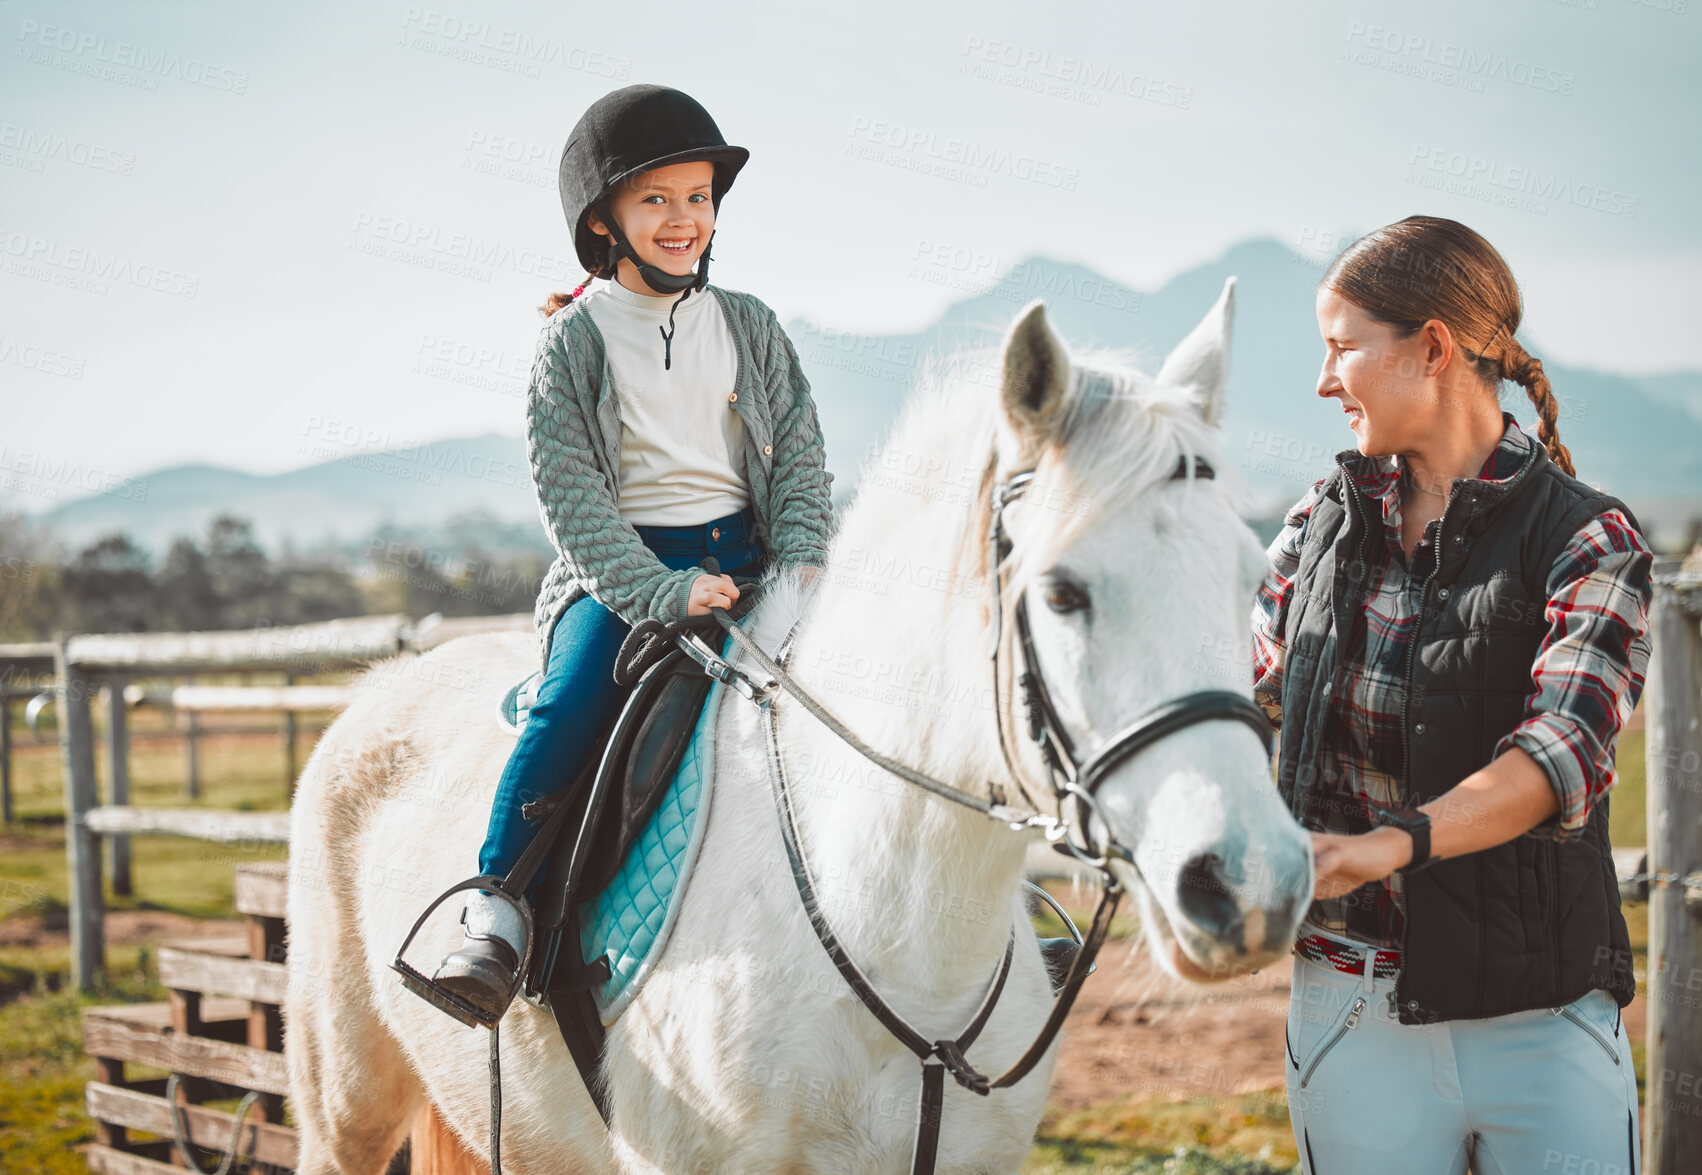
(919, 887)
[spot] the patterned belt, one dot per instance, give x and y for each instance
(1349, 960)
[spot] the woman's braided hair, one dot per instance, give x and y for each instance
(1426, 267)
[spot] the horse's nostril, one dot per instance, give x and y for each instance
(1204, 898)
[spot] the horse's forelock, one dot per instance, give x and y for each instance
(1121, 437)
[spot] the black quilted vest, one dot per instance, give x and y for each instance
(1528, 924)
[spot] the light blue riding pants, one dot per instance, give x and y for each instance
(1541, 1092)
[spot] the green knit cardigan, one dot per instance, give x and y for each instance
(573, 442)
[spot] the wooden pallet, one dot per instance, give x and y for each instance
(221, 1032)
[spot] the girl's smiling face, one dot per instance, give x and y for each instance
(666, 215)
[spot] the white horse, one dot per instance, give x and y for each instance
(745, 1051)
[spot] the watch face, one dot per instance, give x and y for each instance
(1403, 817)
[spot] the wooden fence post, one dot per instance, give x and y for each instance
(118, 764)
(1674, 750)
(82, 845)
(289, 743)
(5, 756)
(194, 749)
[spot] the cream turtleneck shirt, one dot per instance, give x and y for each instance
(681, 440)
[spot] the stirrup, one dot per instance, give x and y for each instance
(1059, 954)
(441, 997)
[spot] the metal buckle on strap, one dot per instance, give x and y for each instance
(1020, 818)
(724, 671)
(1098, 856)
(966, 1074)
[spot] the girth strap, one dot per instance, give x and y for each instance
(929, 1111)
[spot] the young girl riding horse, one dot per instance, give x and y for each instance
(661, 429)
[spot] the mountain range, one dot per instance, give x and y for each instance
(1639, 436)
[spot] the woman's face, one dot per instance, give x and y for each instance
(1387, 385)
(666, 215)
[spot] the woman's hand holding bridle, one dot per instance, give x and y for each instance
(1342, 862)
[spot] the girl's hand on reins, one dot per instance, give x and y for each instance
(711, 591)
(1342, 863)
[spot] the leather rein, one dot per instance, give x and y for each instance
(1070, 778)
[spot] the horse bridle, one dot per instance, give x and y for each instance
(1071, 779)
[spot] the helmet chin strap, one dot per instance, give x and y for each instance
(660, 279)
(655, 277)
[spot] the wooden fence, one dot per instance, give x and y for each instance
(220, 1035)
(1674, 749)
(85, 663)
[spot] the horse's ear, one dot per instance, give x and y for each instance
(1035, 377)
(1200, 362)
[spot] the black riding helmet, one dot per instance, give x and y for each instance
(624, 134)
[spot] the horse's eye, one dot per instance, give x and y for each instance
(1064, 597)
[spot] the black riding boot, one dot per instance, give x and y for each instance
(483, 970)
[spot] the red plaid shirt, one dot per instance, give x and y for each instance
(1587, 675)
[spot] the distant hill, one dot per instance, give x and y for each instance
(328, 504)
(1639, 436)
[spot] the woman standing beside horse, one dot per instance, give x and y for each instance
(1453, 633)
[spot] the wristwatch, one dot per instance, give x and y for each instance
(1417, 825)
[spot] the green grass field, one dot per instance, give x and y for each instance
(43, 1069)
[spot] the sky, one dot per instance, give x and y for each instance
(261, 237)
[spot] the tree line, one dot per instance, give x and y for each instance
(227, 580)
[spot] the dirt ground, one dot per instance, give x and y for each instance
(124, 928)
(1136, 1031)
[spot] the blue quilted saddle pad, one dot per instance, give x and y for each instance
(628, 922)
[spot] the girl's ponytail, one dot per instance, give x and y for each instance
(1525, 369)
(556, 301)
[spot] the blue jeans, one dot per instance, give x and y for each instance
(578, 695)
